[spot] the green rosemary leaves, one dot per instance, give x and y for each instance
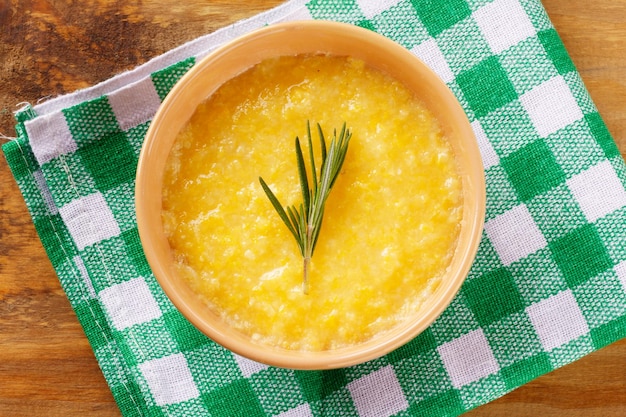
(304, 222)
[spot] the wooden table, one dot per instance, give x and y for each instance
(47, 47)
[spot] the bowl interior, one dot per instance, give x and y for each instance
(292, 39)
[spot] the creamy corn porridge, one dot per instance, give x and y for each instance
(391, 222)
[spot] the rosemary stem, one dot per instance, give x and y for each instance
(305, 282)
(307, 258)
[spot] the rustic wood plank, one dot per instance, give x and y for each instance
(52, 47)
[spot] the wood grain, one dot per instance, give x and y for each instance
(54, 47)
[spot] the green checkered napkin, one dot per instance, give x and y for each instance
(548, 285)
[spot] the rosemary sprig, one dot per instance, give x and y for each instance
(304, 222)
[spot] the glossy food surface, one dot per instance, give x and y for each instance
(391, 222)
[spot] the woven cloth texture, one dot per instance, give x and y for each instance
(548, 285)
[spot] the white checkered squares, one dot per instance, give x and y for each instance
(620, 270)
(373, 8)
(135, 104)
(468, 358)
(378, 394)
(557, 320)
(515, 235)
(598, 191)
(303, 410)
(129, 303)
(488, 154)
(50, 137)
(247, 366)
(503, 23)
(432, 56)
(89, 220)
(551, 106)
(169, 379)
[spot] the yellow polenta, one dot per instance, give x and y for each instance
(391, 222)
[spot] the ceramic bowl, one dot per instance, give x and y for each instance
(291, 39)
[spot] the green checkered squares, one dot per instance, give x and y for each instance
(136, 135)
(556, 212)
(608, 228)
(493, 296)
(358, 371)
(120, 379)
(463, 46)
(277, 389)
(501, 196)
(513, 339)
(236, 399)
(486, 259)
(401, 24)
(447, 403)
(108, 262)
(165, 79)
(533, 170)
(76, 281)
(527, 64)
(191, 408)
(602, 299)
(137, 341)
(110, 161)
(91, 120)
(581, 255)
(340, 11)
(553, 46)
(456, 320)
(94, 322)
(36, 184)
(486, 87)
(508, 128)
(59, 245)
(538, 276)
(186, 335)
(571, 351)
(25, 113)
(422, 376)
(337, 404)
(525, 370)
(21, 160)
(121, 201)
(574, 148)
(438, 17)
(61, 176)
(608, 333)
(579, 92)
(482, 391)
(211, 366)
(602, 135)
(317, 385)
(423, 342)
(548, 284)
(537, 15)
